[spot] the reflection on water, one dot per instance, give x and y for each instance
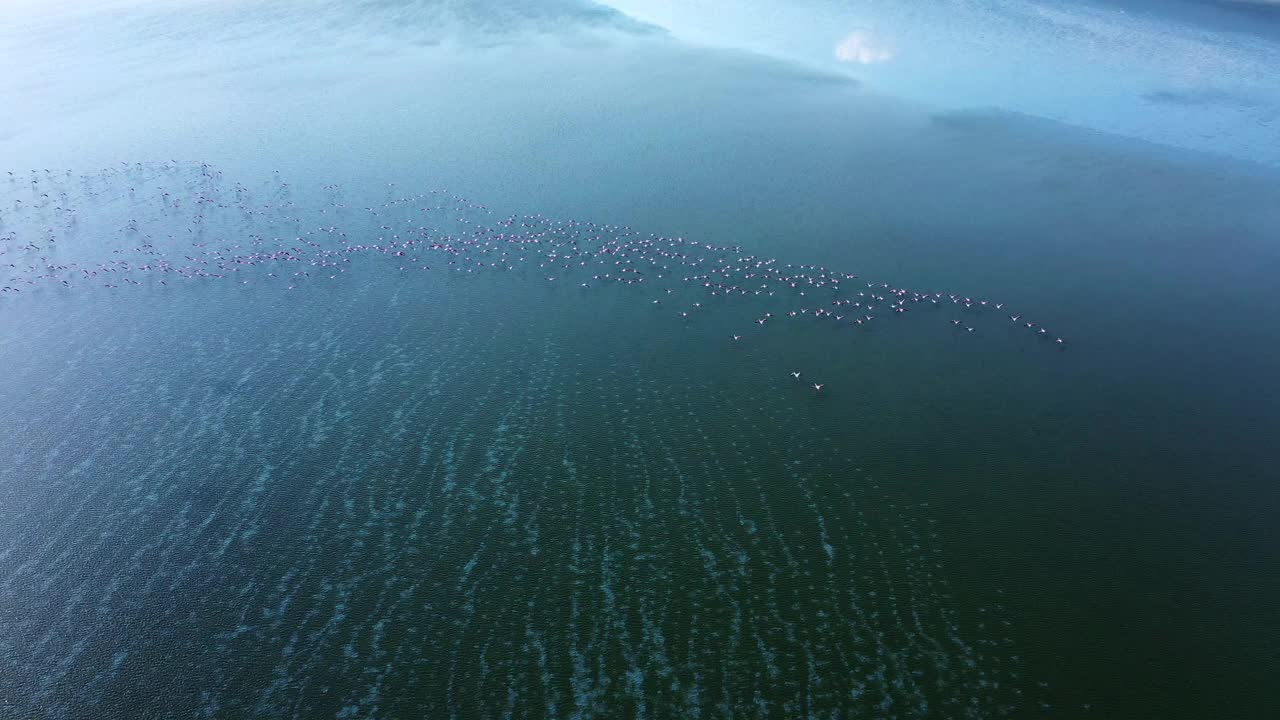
(1092, 64)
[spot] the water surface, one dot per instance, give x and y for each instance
(406, 492)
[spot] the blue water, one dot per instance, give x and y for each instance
(260, 464)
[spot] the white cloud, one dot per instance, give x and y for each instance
(864, 48)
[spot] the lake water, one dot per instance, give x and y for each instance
(378, 360)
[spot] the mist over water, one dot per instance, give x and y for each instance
(336, 386)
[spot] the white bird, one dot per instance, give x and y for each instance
(795, 375)
(817, 387)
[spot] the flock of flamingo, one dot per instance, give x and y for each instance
(173, 234)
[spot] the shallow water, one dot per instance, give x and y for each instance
(402, 492)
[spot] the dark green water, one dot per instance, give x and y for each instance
(412, 493)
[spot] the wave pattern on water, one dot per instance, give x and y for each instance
(397, 493)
